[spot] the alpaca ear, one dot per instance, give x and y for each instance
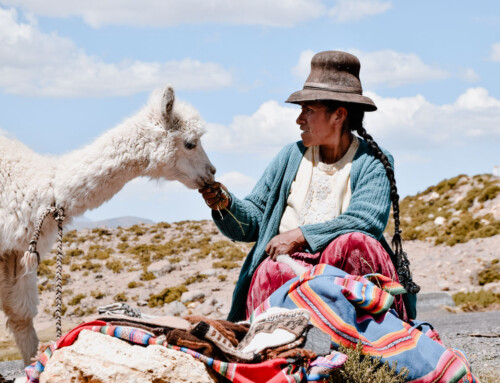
(167, 105)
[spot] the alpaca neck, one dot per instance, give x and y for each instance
(87, 178)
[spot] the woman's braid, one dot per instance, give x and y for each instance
(402, 262)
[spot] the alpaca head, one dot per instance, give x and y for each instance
(177, 153)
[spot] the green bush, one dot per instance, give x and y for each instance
(195, 278)
(491, 273)
(120, 297)
(97, 294)
(115, 265)
(147, 276)
(167, 295)
(76, 299)
(134, 284)
(360, 368)
(477, 300)
(225, 265)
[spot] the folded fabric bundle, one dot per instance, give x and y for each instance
(275, 327)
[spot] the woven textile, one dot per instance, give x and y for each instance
(271, 371)
(352, 308)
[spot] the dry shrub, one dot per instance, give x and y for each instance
(360, 368)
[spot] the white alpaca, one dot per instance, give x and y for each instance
(161, 141)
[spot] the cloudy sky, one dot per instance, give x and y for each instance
(70, 70)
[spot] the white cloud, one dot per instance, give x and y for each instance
(303, 67)
(414, 123)
(411, 124)
(354, 10)
(394, 69)
(39, 64)
(264, 132)
(154, 13)
(385, 67)
(495, 52)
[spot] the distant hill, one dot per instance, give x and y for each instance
(455, 210)
(112, 223)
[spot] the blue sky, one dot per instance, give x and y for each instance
(70, 70)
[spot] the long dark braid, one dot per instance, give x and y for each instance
(355, 123)
(402, 262)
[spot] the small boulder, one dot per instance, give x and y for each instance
(174, 308)
(101, 358)
(160, 268)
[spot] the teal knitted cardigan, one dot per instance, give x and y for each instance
(261, 211)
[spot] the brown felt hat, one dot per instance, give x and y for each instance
(334, 76)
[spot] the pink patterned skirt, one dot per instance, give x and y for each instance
(355, 253)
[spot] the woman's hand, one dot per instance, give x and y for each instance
(286, 243)
(216, 196)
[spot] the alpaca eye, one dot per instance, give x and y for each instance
(189, 145)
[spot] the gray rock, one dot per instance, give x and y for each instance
(208, 307)
(432, 301)
(160, 268)
(105, 359)
(210, 272)
(174, 308)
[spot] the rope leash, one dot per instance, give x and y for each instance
(58, 215)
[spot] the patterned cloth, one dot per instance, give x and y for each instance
(352, 309)
(355, 253)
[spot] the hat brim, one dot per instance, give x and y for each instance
(306, 95)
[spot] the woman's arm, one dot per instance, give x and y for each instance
(243, 219)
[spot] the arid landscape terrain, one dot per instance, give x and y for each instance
(187, 267)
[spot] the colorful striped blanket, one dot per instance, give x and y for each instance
(352, 308)
(348, 308)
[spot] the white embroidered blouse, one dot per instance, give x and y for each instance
(320, 191)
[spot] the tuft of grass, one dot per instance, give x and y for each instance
(477, 300)
(100, 232)
(120, 297)
(94, 267)
(491, 273)
(76, 299)
(97, 294)
(74, 252)
(134, 284)
(227, 265)
(115, 265)
(137, 230)
(147, 275)
(80, 312)
(167, 295)
(44, 268)
(195, 278)
(163, 225)
(70, 236)
(222, 277)
(360, 368)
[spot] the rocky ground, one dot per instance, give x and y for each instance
(135, 265)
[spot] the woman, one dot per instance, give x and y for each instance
(325, 199)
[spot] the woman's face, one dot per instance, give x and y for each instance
(318, 124)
